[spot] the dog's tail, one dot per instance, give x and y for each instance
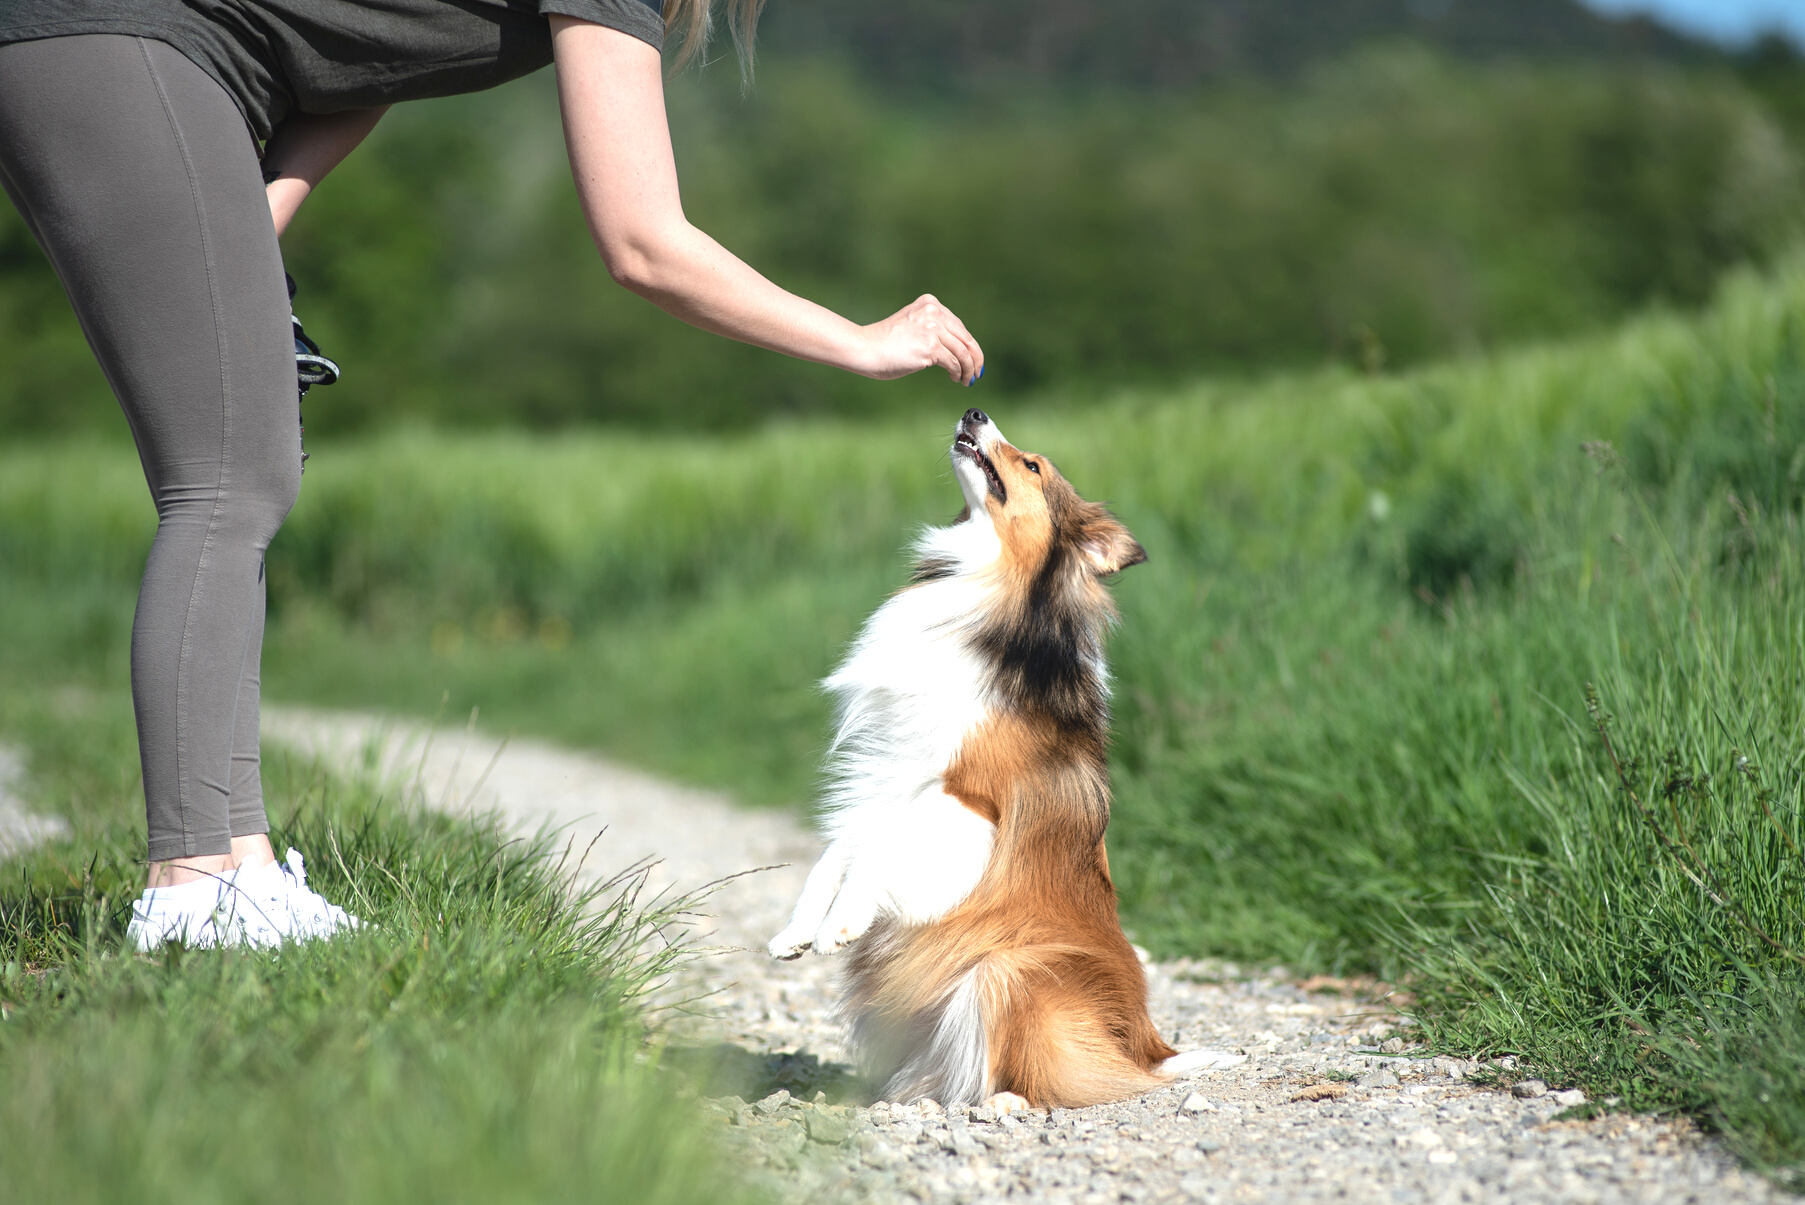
(959, 1009)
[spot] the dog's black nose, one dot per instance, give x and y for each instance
(976, 418)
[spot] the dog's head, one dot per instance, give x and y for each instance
(1044, 553)
(1020, 575)
(1042, 526)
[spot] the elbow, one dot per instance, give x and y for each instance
(636, 262)
(632, 272)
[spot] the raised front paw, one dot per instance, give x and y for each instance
(832, 941)
(853, 912)
(790, 945)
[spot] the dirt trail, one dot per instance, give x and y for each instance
(1389, 1128)
(20, 829)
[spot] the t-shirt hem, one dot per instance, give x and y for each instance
(125, 27)
(629, 16)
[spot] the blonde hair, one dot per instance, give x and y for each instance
(693, 22)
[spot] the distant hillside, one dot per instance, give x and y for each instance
(1177, 43)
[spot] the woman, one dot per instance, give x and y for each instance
(129, 135)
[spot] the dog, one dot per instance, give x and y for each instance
(968, 794)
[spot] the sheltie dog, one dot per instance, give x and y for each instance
(967, 801)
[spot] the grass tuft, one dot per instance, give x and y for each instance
(482, 1038)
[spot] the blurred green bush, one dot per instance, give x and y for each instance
(1381, 210)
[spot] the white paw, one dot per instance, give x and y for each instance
(789, 945)
(1193, 1062)
(1009, 1102)
(853, 912)
(834, 938)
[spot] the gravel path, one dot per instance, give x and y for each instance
(20, 829)
(1387, 1126)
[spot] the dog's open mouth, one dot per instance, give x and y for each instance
(964, 442)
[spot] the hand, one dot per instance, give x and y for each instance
(611, 91)
(304, 148)
(921, 334)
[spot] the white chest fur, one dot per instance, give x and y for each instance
(909, 693)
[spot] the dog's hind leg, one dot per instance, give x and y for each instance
(1009, 1102)
(812, 905)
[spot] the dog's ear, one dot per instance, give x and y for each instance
(1107, 546)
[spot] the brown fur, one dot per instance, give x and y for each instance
(1064, 998)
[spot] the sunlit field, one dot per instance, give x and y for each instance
(1489, 675)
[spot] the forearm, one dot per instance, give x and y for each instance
(620, 155)
(305, 148)
(611, 91)
(687, 274)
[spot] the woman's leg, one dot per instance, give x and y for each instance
(140, 179)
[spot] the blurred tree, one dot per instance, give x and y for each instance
(1383, 210)
(1183, 43)
(1381, 206)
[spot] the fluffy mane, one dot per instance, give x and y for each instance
(967, 800)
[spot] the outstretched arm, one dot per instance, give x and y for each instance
(304, 149)
(611, 87)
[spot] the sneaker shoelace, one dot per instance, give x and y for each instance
(308, 906)
(256, 909)
(220, 925)
(247, 917)
(264, 907)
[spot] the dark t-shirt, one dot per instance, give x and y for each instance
(321, 56)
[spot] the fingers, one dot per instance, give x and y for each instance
(921, 334)
(974, 353)
(963, 367)
(943, 348)
(958, 352)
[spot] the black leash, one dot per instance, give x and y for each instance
(311, 366)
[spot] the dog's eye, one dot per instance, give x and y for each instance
(1033, 467)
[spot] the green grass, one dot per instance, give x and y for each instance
(708, 582)
(482, 1040)
(1353, 728)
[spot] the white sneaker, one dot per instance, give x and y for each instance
(277, 896)
(193, 914)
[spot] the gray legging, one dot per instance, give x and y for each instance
(140, 180)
